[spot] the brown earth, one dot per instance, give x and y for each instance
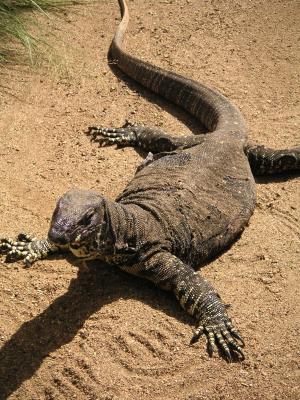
(74, 333)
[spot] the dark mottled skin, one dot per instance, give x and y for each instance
(187, 202)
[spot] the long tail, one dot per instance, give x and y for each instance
(209, 106)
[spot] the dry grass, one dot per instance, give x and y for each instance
(16, 17)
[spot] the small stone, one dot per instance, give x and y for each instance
(266, 281)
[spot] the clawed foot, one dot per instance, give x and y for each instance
(26, 248)
(224, 336)
(124, 136)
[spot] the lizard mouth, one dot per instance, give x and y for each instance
(75, 245)
(79, 239)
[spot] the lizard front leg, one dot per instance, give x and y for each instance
(198, 297)
(149, 139)
(26, 248)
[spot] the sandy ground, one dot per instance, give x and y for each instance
(72, 333)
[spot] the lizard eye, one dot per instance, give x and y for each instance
(86, 219)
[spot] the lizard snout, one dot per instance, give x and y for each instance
(57, 237)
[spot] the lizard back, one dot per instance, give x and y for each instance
(202, 197)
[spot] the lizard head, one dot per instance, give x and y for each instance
(77, 218)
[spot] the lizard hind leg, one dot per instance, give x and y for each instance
(265, 161)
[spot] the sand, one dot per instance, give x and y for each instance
(70, 332)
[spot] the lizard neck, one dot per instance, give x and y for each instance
(114, 239)
(120, 231)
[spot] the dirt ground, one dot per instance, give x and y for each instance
(73, 333)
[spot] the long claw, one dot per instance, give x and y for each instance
(239, 350)
(107, 136)
(27, 248)
(232, 343)
(223, 335)
(6, 245)
(223, 346)
(24, 237)
(211, 341)
(199, 331)
(235, 333)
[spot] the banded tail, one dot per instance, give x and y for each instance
(209, 106)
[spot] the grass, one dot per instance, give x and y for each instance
(16, 17)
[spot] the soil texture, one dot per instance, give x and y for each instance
(73, 332)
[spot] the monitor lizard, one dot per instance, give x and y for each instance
(189, 200)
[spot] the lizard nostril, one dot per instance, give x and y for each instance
(57, 238)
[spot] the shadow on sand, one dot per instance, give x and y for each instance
(24, 352)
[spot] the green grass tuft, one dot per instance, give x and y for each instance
(15, 18)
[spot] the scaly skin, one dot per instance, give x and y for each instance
(187, 202)
(27, 248)
(263, 160)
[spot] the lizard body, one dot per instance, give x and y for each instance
(187, 202)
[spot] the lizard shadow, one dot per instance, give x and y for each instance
(277, 178)
(57, 325)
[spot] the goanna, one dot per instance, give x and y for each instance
(188, 201)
